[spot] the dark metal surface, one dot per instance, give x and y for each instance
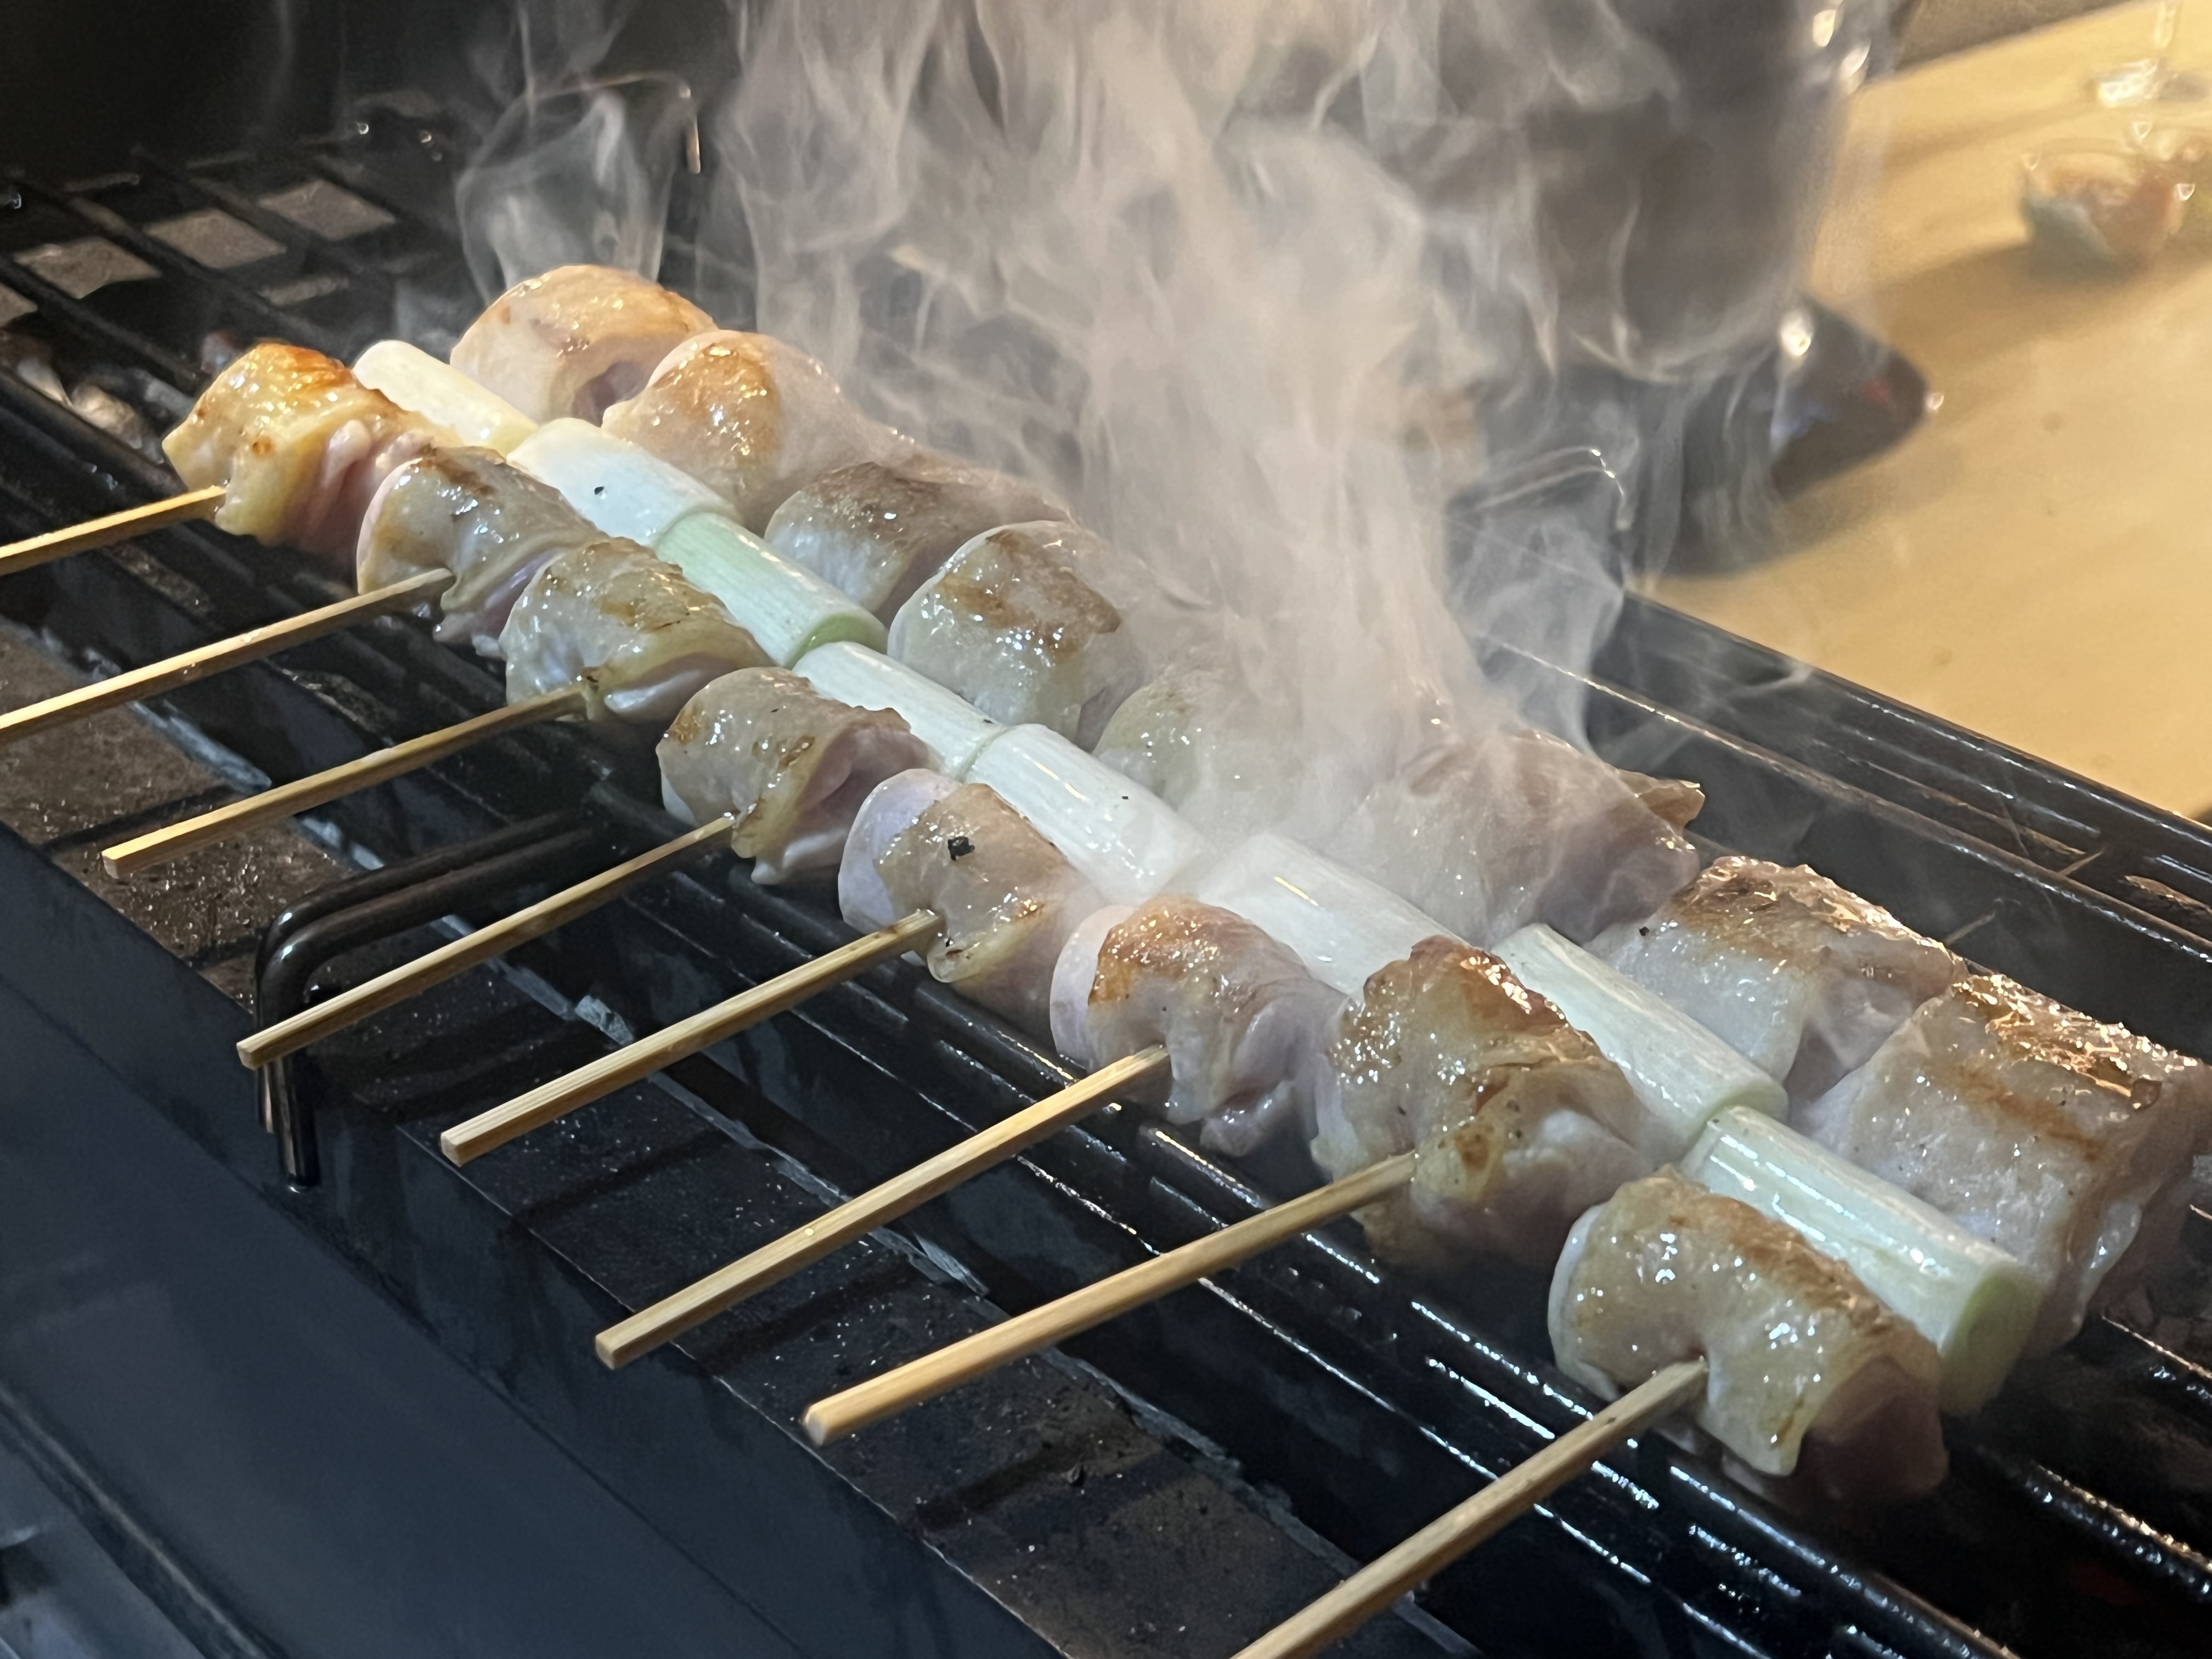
(2077, 1521)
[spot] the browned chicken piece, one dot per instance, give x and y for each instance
(876, 530)
(469, 511)
(1008, 899)
(1244, 1024)
(2063, 1142)
(299, 445)
(576, 340)
(627, 628)
(1490, 833)
(792, 765)
(1513, 1114)
(751, 418)
(1811, 1376)
(1011, 624)
(1802, 976)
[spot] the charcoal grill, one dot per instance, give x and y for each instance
(1178, 1478)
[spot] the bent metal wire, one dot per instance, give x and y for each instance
(2076, 1520)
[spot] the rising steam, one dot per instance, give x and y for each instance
(1260, 288)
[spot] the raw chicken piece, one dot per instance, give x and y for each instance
(1785, 967)
(793, 766)
(299, 444)
(751, 418)
(641, 638)
(470, 512)
(1243, 1022)
(576, 340)
(1447, 1053)
(1809, 1371)
(1009, 623)
(2062, 1142)
(1007, 897)
(1491, 833)
(876, 530)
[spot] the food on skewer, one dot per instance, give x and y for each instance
(1197, 737)
(413, 380)
(627, 628)
(1488, 834)
(1975, 1303)
(1810, 1375)
(790, 765)
(878, 530)
(1010, 624)
(466, 510)
(628, 492)
(1126, 841)
(947, 722)
(1798, 974)
(1505, 1106)
(751, 417)
(1007, 897)
(2062, 1141)
(576, 340)
(1683, 1075)
(298, 445)
(1243, 1021)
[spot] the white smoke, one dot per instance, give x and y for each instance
(1260, 288)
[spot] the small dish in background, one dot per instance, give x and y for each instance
(2099, 207)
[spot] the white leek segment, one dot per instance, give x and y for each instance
(947, 722)
(788, 608)
(616, 485)
(1342, 925)
(623, 490)
(1128, 843)
(1683, 1075)
(1975, 1303)
(422, 385)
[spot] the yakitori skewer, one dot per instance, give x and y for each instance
(201, 661)
(193, 504)
(879, 1206)
(1400, 1570)
(351, 1007)
(495, 1128)
(934, 1374)
(158, 847)
(927, 862)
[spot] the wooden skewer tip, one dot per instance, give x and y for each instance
(774, 1262)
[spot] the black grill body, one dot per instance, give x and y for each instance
(1184, 1475)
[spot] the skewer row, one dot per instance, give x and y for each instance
(1688, 1099)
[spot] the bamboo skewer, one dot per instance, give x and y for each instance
(669, 1318)
(204, 660)
(115, 527)
(411, 978)
(142, 852)
(1458, 1530)
(487, 1130)
(934, 1374)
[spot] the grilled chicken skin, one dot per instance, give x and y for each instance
(1007, 896)
(1810, 1374)
(470, 512)
(1803, 977)
(2064, 1142)
(792, 765)
(1447, 1054)
(576, 340)
(1243, 1022)
(627, 628)
(749, 417)
(300, 445)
